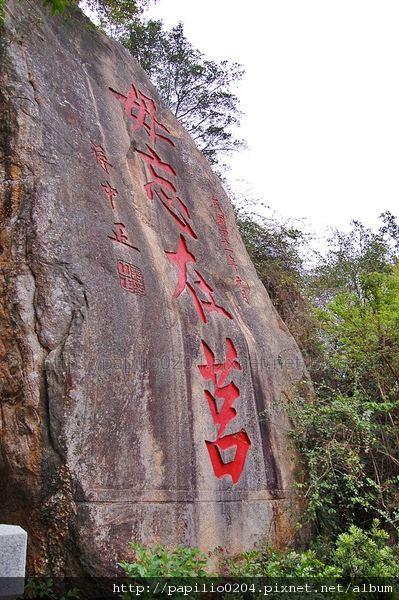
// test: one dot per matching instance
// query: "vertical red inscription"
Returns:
(224, 234)
(218, 374)
(229, 393)
(180, 259)
(130, 277)
(153, 160)
(142, 109)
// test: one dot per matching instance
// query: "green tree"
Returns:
(353, 254)
(115, 16)
(349, 437)
(197, 91)
(277, 251)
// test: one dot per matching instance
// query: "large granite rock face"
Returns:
(138, 348)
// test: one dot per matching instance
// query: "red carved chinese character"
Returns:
(221, 221)
(245, 296)
(131, 278)
(99, 153)
(180, 259)
(210, 305)
(218, 372)
(110, 192)
(216, 205)
(144, 113)
(245, 286)
(168, 201)
(119, 236)
(224, 234)
(229, 393)
(241, 442)
(232, 261)
(153, 160)
(180, 219)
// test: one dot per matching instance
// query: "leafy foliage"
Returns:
(159, 562)
(38, 587)
(115, 15)
(349, 436)
(366, 554)
(350, 475)
(273, 563)
(353, 254)
(356, 553)
(344, 314)
(198, 91)
(57, 6)
(276, 250)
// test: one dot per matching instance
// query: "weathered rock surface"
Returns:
(138, 348)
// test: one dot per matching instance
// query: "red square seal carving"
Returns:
(131, 278)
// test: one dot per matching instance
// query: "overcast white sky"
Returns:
(321, 99)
